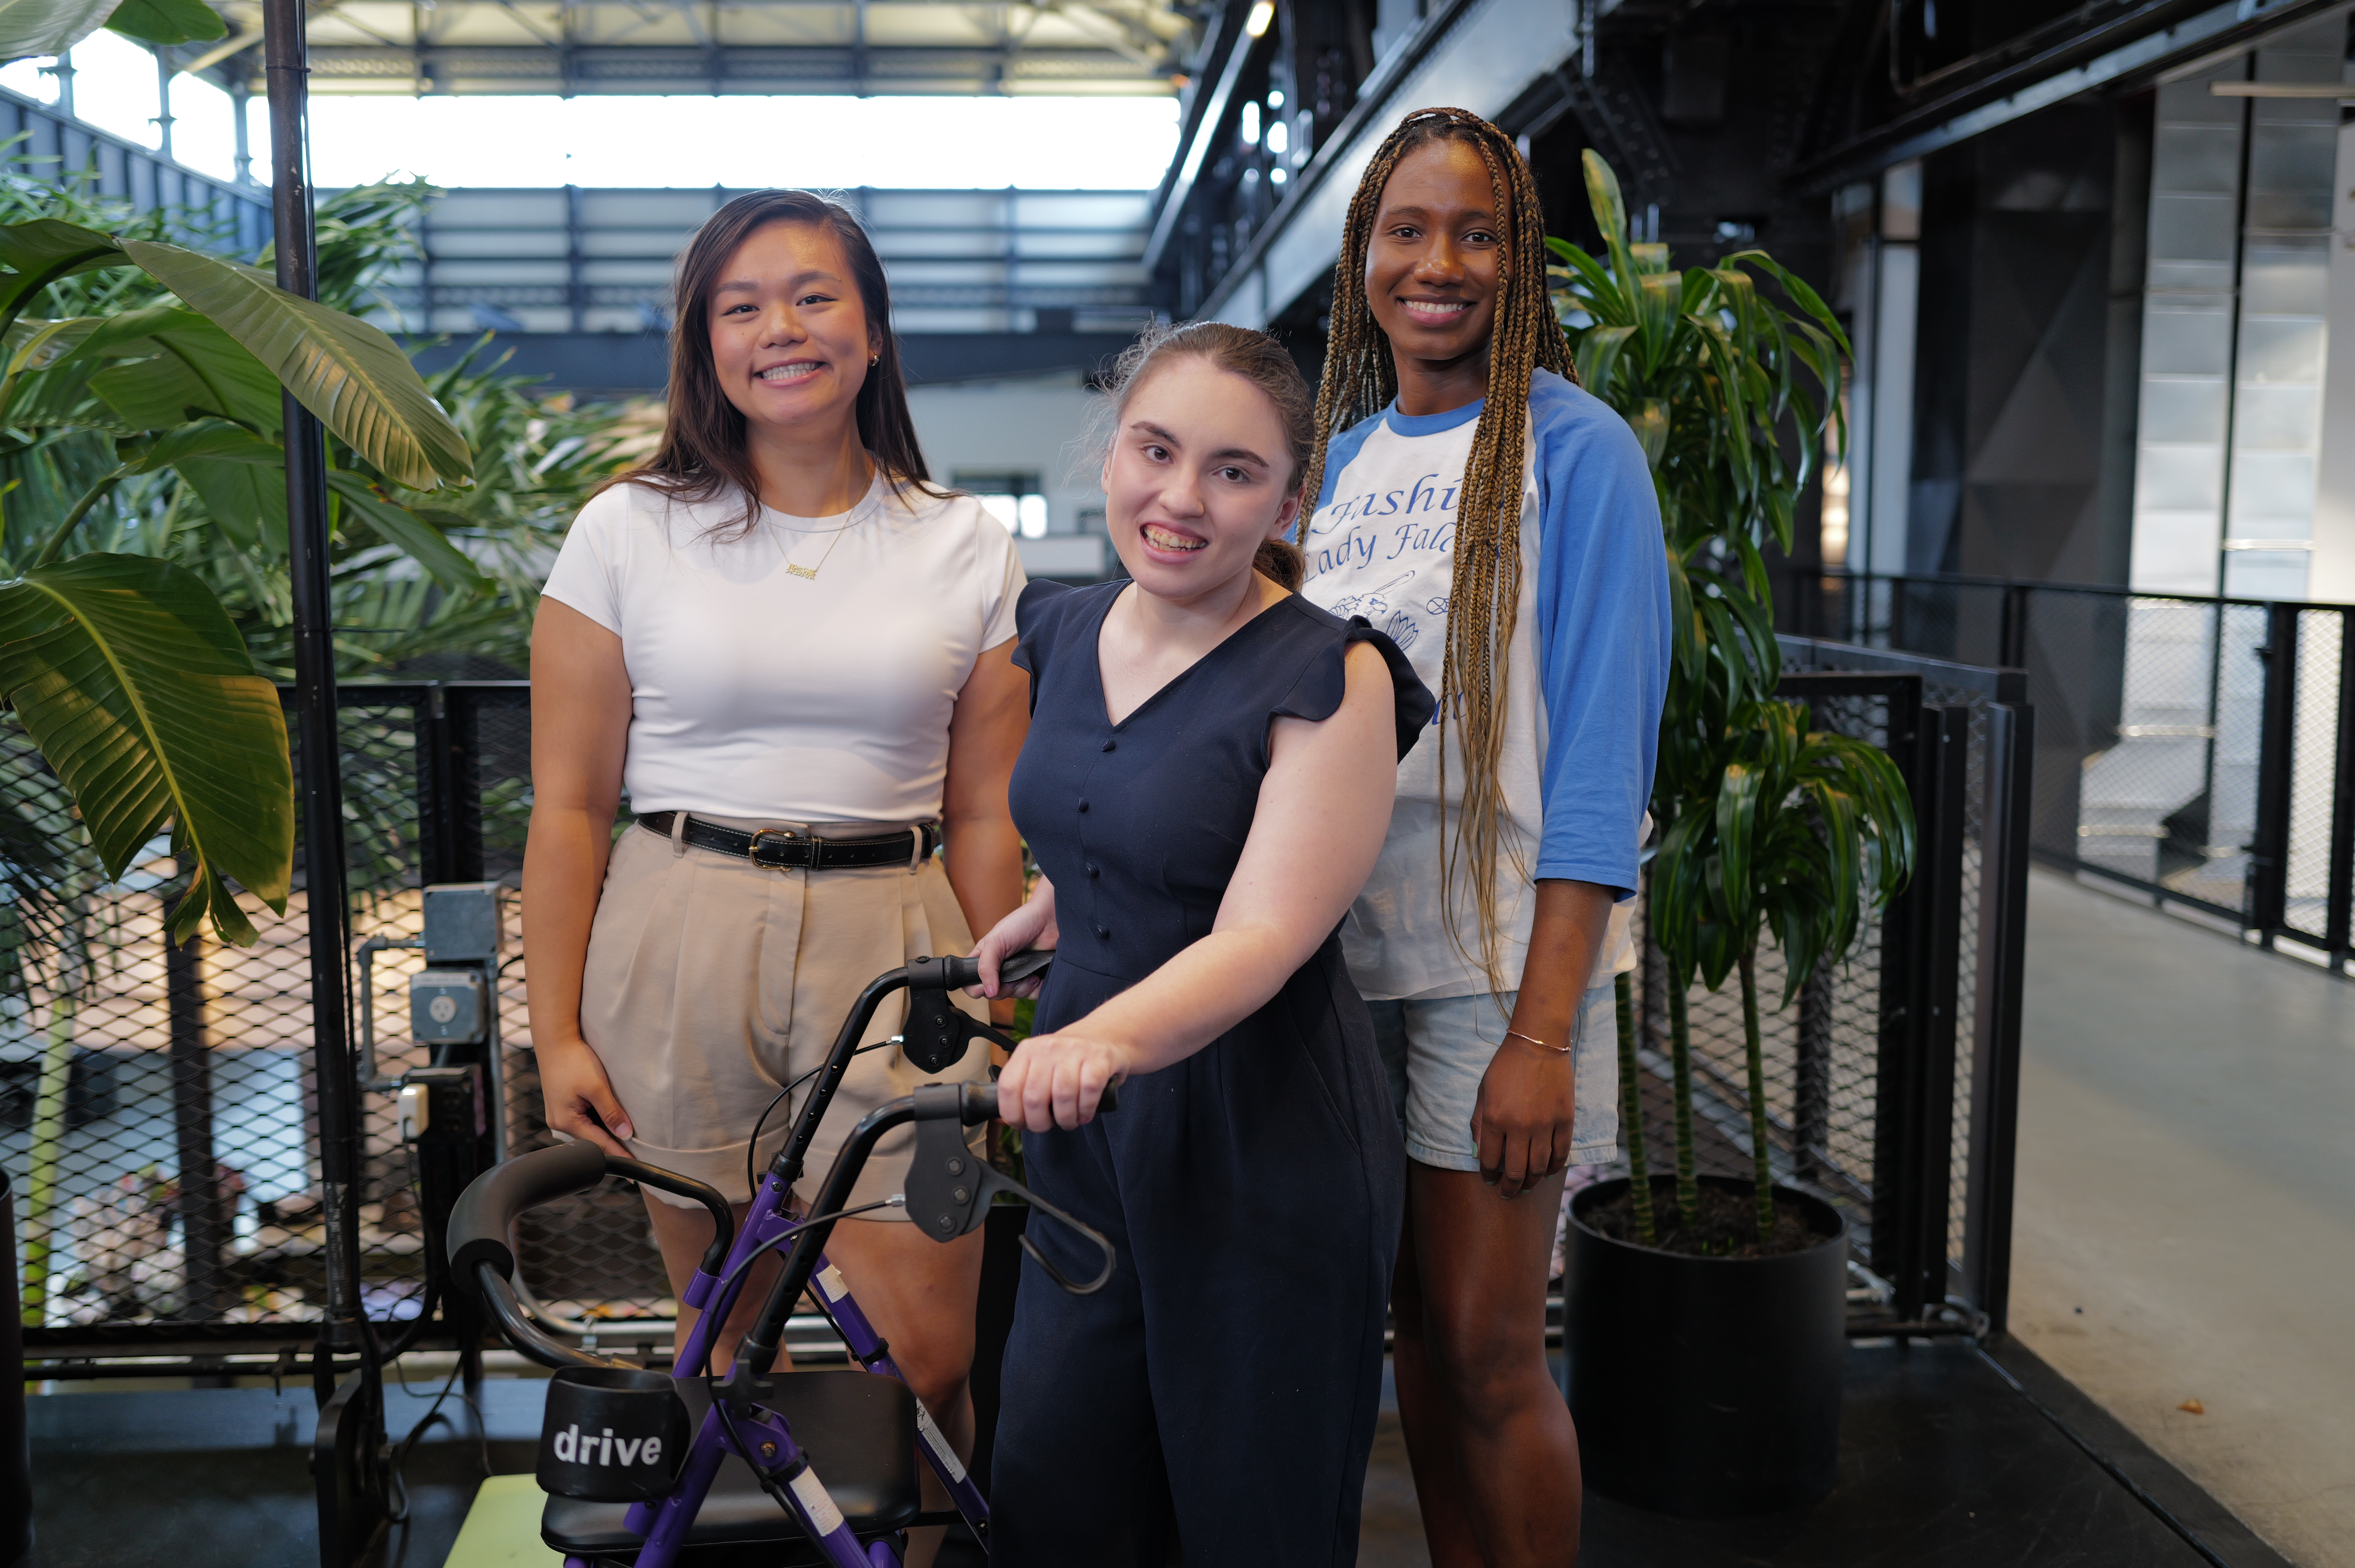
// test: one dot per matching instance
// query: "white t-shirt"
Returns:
(755, 692)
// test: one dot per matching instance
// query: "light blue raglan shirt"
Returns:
(1586, 676)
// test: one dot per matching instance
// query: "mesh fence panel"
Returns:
(2314, 772)
(129, 1071)
(125, 1069)
(588, 1261)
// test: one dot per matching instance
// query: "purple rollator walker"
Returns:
(637, 1463)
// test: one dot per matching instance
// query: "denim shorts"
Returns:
(1436, 1053)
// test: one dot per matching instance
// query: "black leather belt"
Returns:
(777, 847)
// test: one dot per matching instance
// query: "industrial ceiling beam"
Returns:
(1119, 47)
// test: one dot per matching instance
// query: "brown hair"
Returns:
(1258, 359)
(1361, 380)
(701, 456)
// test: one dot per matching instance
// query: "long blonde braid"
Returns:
(1361, 380)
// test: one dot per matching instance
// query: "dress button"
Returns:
(1108, 746)
(1092, 871)
(1104, 931)
(1083, 805)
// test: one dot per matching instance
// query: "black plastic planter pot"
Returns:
(1706, 1387)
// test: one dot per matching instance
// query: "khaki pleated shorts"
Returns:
(712, 982)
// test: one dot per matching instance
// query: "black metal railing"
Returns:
(1891, 1082)
(160, 1109)
(2197, 749)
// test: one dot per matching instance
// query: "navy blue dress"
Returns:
(1223, 1386)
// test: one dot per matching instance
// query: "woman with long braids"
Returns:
(796, 656)
(1500, 524)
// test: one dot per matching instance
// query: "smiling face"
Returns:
(1199, 473)
(1432, 264)
(790, 337)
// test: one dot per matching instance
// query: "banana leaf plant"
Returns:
(1734, 393)
(125, 668)
(1808, 836)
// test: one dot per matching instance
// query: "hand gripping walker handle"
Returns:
(1021, 966)
(948, 1192)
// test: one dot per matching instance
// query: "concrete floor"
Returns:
(2186, 1210)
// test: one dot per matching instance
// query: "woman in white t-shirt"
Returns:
(778, 624)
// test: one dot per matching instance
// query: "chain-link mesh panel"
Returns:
(163, 1112)
(2314, 772)
(589, 1263)
(158, 1108)
(2074, 648)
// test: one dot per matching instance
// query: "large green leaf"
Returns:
(38, 253)
(245, 500)
(240, 478)
(130, 679)
(183, 368)
(353, 377)
(47, 27)
(400, 526)
(166, 21)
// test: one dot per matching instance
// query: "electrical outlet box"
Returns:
(446, 1007)
(464, 924)
(441, 1102)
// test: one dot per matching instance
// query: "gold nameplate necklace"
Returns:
(811, 572)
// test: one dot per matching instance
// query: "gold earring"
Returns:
(873, 360)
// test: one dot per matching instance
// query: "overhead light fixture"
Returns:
(1261, 14)
(2343, 91)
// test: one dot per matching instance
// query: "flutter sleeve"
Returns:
(1325, 680)
(1039, 616)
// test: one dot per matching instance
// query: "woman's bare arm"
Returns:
(1323, 811)
(980, 845)
(580, 735)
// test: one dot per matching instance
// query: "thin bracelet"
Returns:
(1557, 1050)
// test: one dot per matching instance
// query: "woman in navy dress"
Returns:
(1206, 785)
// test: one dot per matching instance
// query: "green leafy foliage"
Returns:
(125, 667)
(30, 27)
(136, 428)
(1808, 834)
(348, 373)
(167, 21)
(1733, 396)
(129, 677)
(1766, 826)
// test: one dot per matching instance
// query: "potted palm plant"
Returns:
(1703, 1321)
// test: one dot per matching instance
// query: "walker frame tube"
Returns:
(665, 1522)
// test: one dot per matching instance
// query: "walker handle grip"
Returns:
(960, 973)
(487, 1209)
(981, 1101)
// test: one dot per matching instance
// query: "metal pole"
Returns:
(237, 96)
(163, 74)
(319, 779)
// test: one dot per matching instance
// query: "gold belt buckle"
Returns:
(753, 851)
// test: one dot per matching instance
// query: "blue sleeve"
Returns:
(1601, 634)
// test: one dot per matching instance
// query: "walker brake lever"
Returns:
(949, 1187)
(938, 1033)
(1111, 1259)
